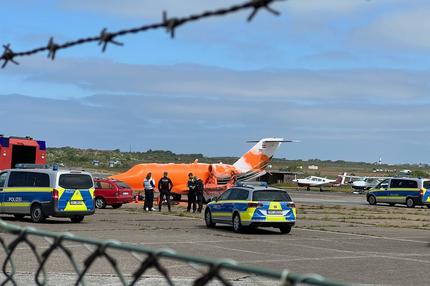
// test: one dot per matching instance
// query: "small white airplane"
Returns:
(361, 183)
(366, 183)
(405, 172)
(314, 181)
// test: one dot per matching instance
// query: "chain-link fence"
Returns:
(23, 248)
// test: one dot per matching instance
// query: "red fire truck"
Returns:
(21, 150)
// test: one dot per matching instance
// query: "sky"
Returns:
(349, 79)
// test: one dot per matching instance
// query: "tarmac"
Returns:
(342, 251)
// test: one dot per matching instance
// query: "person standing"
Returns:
(149, 185)
(191, 193)
(199, 188)
(165, 185)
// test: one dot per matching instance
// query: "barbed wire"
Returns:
(148, 259)
(168, 23)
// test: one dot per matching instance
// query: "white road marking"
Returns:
(243, 250)
(366, 235)
(241, 240)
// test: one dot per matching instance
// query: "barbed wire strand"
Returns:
(170, 24)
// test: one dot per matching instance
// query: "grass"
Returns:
(333, 217)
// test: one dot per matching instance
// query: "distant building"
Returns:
(313, 167)
(95, 163)
(114, 163)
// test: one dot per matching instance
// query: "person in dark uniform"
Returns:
(199, 187)
(165, 185)
(191, 193)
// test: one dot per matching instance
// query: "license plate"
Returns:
(75, 203)
(125, 193)
(274, 212)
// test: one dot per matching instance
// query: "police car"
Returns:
(407, 191)
(252, 206)
(41, 193)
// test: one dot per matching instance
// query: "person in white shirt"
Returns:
(149, 185)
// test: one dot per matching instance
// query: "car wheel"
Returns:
(100, 203)
(77, 218)
(116, 206)
(19, 216)
(428, 206)
(36, 213)
(237, 224)
(208, 218)
(285, 229)
(371, 200)
(410, 203)
(392, 204)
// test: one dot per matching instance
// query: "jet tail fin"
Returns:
(260, 155)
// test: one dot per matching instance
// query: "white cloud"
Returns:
(370, 86)
(141, 9)
(152, 9)
(328, 6)
(407, 28)
(336, 113)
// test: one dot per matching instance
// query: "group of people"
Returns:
(165, 185)
(195, 193)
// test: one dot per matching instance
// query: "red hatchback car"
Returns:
(111, 192)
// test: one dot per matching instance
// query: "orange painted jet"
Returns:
(217, 177)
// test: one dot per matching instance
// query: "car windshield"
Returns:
(383, 184)
(122, 185)
(75, 181)
(271, 195)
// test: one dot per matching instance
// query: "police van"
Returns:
(41, 193)
(407, 191)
